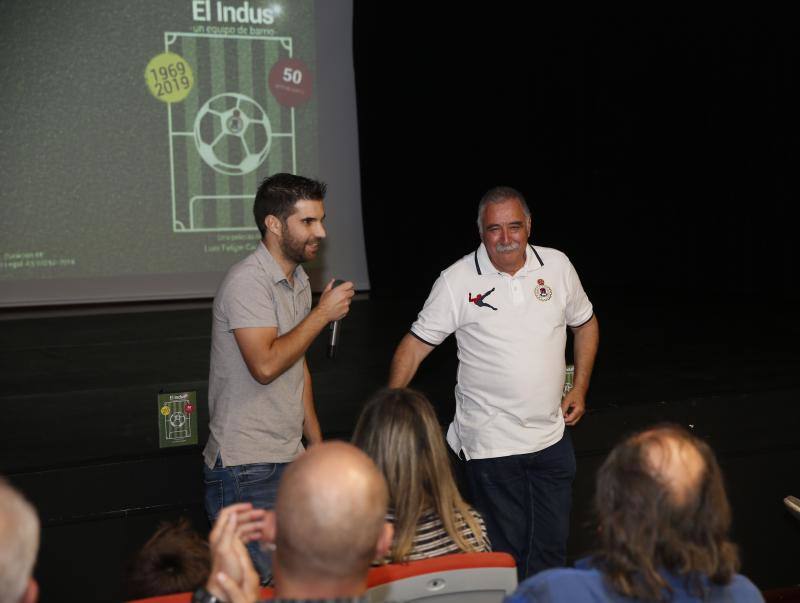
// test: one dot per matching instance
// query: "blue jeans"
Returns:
(525, 500)
(256, 483)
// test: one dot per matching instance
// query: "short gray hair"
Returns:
(19, 542)
(498, 194)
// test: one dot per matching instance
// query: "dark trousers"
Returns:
(525, 500)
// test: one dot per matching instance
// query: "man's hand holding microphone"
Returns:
(335, 304)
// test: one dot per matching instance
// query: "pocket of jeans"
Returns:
(250, 474)
(214, 498)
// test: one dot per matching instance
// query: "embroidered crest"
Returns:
(542, 291)
(478, 299)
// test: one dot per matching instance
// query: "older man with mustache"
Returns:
(509, 304)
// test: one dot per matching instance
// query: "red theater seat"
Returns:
(462, 577)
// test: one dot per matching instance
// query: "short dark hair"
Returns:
(176, 559)
(278, 194)
(498, 194)
(644, 526)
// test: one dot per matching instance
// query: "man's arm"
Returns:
(311, 429)
(267, 356)
(587, 338)
(407, 357)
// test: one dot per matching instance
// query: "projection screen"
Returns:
(133, 136)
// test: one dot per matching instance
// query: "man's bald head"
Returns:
(19, 543)
(330, 513)
(669, 462)
(674, 460)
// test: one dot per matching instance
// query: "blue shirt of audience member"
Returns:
(586, 583)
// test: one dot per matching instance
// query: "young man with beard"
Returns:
(259, 387)
(509, 304)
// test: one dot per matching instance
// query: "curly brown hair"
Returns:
(661, 504)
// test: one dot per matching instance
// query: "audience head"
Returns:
(330, 522)
(19, 543)
(661, 503)
(398, 429)
(175, 559)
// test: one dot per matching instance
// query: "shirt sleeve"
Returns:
(248, 303)
(579, 309)
(438, 316)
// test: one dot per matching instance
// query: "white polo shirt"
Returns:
(511, 334)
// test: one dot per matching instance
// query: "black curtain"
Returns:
(658, 152)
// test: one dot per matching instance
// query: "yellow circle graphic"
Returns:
(165, 410)
(169, 77)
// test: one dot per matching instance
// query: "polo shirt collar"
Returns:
(274, 271)
(484, 266)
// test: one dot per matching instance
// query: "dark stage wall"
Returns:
(657, 151)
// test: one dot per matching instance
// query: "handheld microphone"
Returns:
(335, 327)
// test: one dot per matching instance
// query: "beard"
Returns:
(297, 250)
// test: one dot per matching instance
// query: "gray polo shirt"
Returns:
(251, 422)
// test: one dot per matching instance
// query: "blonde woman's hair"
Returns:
(398, 429)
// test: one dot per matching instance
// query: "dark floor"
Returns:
(80, 435)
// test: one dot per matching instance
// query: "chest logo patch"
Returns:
(478, 300)
(542, 291)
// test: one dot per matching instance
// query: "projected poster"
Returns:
(135, 136)
(228, 121)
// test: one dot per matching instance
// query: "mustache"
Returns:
(500, 248)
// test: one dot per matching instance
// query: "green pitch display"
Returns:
(177, 419)
(135, 135)
(224, 134)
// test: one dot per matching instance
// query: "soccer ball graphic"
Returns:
(232, 133)
(178, 419)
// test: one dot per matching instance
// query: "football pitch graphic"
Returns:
(177, 425)
(177, 419)
(226, 128)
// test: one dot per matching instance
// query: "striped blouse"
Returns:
(432, 540)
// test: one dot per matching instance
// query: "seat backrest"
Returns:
(462, 577)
